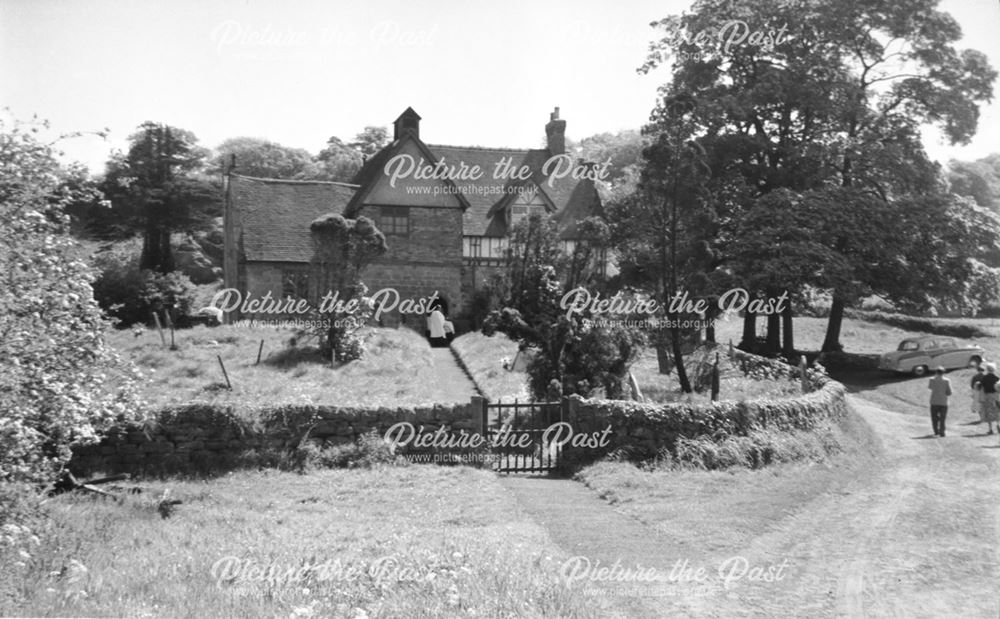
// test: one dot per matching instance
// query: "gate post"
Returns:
(479, 412)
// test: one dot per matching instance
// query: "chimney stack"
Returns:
(555, 134)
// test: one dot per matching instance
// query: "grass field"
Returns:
(398, 368)
(858, 336)
(483, 357)
(416, 541)
(390, 541)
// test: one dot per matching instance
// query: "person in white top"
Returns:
(435, 323)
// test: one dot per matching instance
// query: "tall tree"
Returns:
(979, 180)
(663, 230)
(338, 161)
(264, 159)
(157, 186)
(840, 102)
(371, 140)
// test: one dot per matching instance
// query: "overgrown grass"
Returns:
(742, 501)
(733, 384)
(418, 541)
(483, 356)
(398, 368)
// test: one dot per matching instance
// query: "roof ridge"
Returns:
(290, 181)
(488, 148)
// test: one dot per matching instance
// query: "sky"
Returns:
(296, 72)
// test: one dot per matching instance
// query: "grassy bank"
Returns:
(742, 502)
(397, 368)
(483, 357)
(396, 542)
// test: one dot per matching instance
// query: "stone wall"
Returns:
(646, 429)
(202, 438)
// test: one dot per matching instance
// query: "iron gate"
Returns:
(517, 435)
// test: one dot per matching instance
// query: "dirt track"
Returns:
(916, 539)
(915, 535)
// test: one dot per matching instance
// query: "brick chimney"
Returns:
(408, 122)
(555, 134)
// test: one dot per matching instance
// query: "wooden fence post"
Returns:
(170, 325)
(159, 327)
(479, 412)
(715, 379)
(224, 373)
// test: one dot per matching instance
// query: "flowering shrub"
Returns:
(574, 354)
(129, 294)
(60, 384)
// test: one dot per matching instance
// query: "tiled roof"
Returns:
(573, 199)
(275, 214)
(370, 171)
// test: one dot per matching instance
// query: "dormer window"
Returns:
(529, 202)
(524, 211)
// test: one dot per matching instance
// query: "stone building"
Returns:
(446, 212)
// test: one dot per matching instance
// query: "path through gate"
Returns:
(517, 433)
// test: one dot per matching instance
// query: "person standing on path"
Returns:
(977, 392)
(989, 384)
(940, 390)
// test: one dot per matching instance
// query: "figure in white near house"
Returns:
(977, 393)
(989, 383)
(940, 391)
(436, 328)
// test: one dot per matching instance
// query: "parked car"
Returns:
(919, 355)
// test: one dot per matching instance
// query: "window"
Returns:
(394, 220)
(909, 345)
(523, 211)
(475, 246)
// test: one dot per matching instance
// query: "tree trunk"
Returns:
(675, 345)
(788, 339)
(773, 333)
(710, 315)
(166, 254)
(749, 341)
(831, 343)
(663, 360)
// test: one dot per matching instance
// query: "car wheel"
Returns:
(920, 370)
(975, 360)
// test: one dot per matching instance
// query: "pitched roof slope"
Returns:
(275, 214)
(573, 199)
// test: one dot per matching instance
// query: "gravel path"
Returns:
(451, 383)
